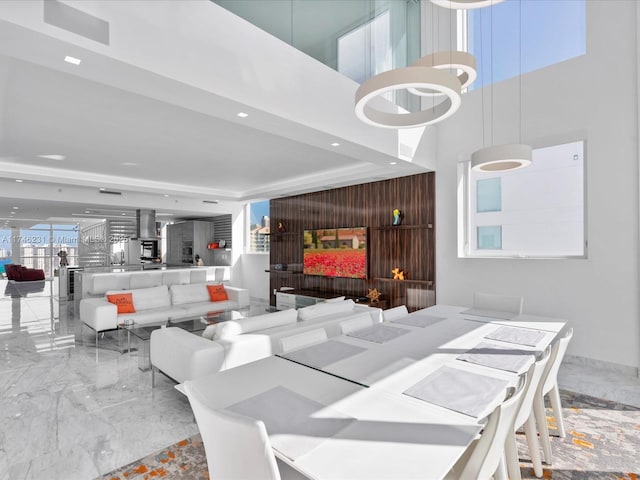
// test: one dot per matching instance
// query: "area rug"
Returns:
(602, 443)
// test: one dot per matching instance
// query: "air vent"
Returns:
(110, 192)
(209, 201)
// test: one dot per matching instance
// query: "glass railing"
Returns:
(358, 38)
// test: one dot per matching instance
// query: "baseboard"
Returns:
(603, 365)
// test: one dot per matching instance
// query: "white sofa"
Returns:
(92, 284)
(158, 304)
(184, 356)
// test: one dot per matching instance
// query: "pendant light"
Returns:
(465, 4)
(512, 156)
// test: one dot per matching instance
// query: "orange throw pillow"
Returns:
(217, 293)
(124, 302)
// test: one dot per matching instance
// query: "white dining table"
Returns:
(377, 431)
(388, 435)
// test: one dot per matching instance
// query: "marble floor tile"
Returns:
(70, 411)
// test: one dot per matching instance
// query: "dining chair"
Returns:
(483, 458)
(300, 340)
(236, 447)
(526, 418)
(356, 323)
(549, 386)
(394, 313)
(498, 303)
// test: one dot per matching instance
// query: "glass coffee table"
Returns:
(193, 324)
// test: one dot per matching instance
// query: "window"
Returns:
(366, 50)
(489, 195)
(490, 237)
(537, 211)
(552, 31)
(258, 214)
(40, 244)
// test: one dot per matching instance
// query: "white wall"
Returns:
(254, 277)
(593, 97)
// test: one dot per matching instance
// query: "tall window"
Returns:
(39, 246)
(537, 211)
(366, 50)
(552, 31)
(258, 213)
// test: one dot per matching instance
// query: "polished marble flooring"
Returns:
(69, 410)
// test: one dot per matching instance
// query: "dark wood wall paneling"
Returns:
(409, 246)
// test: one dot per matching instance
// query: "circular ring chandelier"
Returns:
(463, 62)
(499, 158)
(465, 4)
(439, 81)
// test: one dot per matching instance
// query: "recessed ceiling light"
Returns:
(123, 213)
(19, 181)
(165, 195)
(243, 115)
(12, 213)
(129, 164)
(335, 144)
(393, 163)
(53, 157)
(72, 60)
(87, 211)
(15, 208)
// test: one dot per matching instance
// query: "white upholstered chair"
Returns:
(236, 447)
(526, 417)
(356, 323)
(300, 340)
(484, 456)
(395, 312)
(497, 303)
(549, 386)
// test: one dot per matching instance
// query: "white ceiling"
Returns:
(175, 139)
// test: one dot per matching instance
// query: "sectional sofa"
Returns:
(158, 304)
(184, 356)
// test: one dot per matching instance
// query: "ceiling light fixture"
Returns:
(512, 156)
(129, 164)
(165, 195)
(440, 82)
(53, 157)
(243, 115)
(72, 60)
(393, 163)
(465, 4)
(19, 181)
(463, 62)
(335, 144)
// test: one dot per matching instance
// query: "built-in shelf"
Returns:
(417, 282)
(404, 227)
(287, 272)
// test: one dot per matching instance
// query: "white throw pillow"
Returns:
(332, 300)
(193, 293)
(324, 308)
(210, 331)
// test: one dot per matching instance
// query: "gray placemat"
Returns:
(519, 336)
(465, 392)
(499, 356)
(295, 424)
(323, 354)
(378, 333)
(418, 320)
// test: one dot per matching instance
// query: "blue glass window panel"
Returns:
(552, 31)
(490, 237)
(489, 195)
